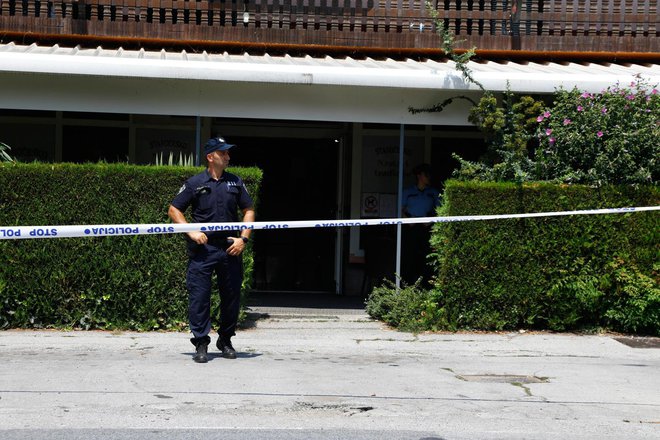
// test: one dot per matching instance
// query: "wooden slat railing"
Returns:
(538, 25)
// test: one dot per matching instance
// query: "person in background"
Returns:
(418, 200)
(215, 196)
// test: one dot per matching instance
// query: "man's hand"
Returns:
(177, 217)
(236, 247)
(198, 237)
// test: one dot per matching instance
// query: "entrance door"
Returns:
(300, 183)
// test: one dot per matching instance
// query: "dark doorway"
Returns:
(92, 144)
(442, 161)
(300, 183)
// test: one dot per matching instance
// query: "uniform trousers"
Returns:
(206, 260)
(415, 249)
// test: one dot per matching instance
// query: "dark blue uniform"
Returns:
(420, 203)
(213, 201)
(416, 246)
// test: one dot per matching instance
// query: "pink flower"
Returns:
(585, 95)
(540, 118)
(630, 97)
(654, 92)
(552, 141)
(604, 110)
(567, 121)
(580, 108)
(546, 114)
(599, 134)
(548, 131)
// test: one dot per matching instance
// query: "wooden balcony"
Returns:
(360, 26)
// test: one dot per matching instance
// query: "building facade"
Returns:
(316, 93)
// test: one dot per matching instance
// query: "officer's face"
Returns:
(424, 178)
(219, 158)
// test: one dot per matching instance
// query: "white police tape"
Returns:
(26, 232)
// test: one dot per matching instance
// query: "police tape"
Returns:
(71, 231)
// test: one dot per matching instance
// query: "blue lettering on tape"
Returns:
(276, 226)
(221, 228)
(160, 229)
(115, 231)
(40, 232)
(340, 224)
(8, 232)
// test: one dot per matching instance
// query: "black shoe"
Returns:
(224, 345)
(201, 354)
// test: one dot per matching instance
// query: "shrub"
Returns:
(558, 273)
(510, 129)
(410, 309)
(4, 153)
(635, 302)
(612, 137)
(597, 138)
(131, 282)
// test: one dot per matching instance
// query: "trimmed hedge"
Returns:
(134, 282)
(557, 273)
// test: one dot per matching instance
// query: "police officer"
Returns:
(215, 196)
(418, 200)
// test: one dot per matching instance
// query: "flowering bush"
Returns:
(510, 127)
(597, 138)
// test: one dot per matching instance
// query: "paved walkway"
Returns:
(308, 304)
(328, 376)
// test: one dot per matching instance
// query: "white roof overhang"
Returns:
(278, 87)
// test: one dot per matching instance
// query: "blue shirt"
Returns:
(420, 203)
(213, 201)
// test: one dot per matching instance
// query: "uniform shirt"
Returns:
(420, 203)
(213, 201)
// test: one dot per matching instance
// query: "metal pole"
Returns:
(399, 209)
(339, 241)
(198, 140)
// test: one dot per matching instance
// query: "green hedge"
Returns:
(134, 282)
(558, 273)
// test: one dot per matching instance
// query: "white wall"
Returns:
(44, 91)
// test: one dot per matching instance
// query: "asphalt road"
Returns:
(328, 377)
(214, 434)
